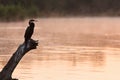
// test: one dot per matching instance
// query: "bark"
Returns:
(6, 73)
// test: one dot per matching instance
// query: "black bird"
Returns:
(29, 31)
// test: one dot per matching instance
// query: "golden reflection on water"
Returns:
(91, 64)
(57, 66)
(66, 50)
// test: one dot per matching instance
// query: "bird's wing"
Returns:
(26, 32)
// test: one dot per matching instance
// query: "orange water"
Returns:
(69, 49)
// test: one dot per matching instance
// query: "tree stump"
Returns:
(6, 73)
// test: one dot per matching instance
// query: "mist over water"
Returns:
(69, 49)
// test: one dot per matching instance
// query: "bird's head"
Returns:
(31, 21)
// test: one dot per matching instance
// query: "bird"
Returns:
(29, 31)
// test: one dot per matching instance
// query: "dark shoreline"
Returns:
(23, 9)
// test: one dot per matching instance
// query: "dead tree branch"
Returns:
(6, 73)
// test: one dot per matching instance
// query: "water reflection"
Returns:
(33, 63)
(80, 53)
(98, 59)
(75, 55)
(94, 59)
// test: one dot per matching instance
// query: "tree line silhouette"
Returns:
(22, 9)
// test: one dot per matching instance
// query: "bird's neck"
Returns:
(32, 25)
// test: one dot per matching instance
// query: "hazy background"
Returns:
(78, 39)
(19, 10)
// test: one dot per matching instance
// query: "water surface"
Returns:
(69, 49)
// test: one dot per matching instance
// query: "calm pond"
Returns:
(69, 49)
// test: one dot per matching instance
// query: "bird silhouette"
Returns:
(29, 31)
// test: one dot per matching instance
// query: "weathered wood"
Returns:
(6, 73)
